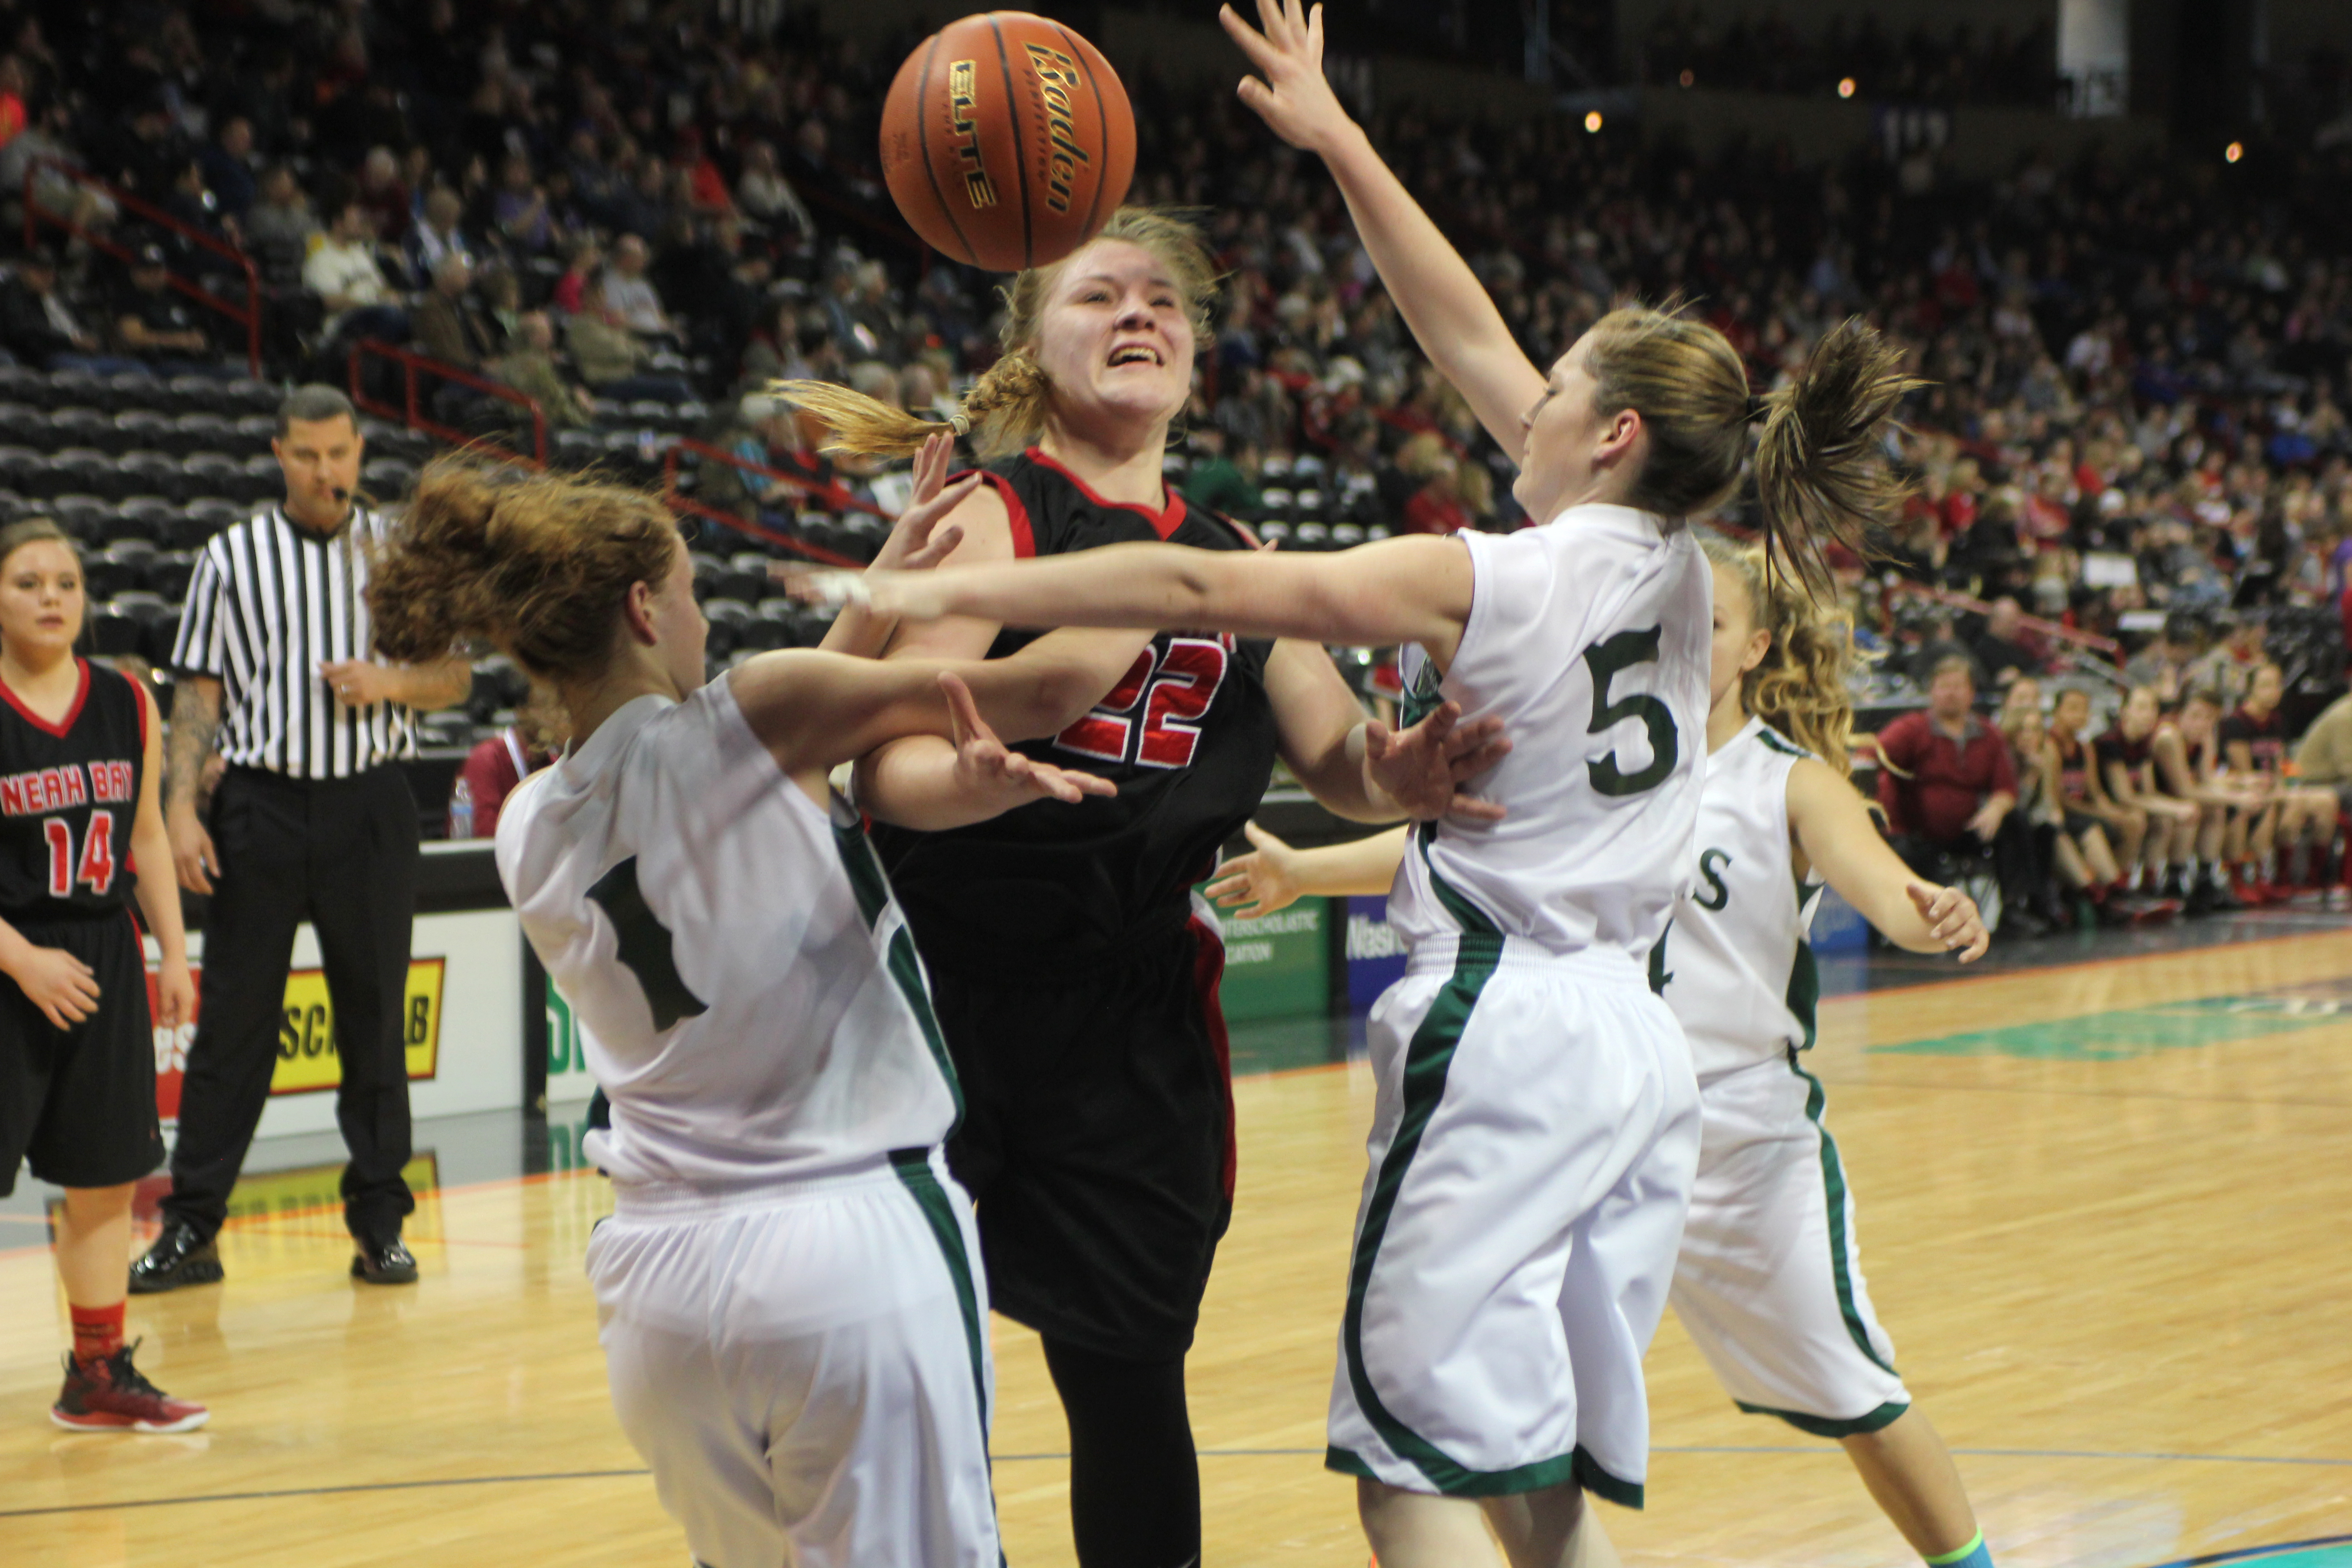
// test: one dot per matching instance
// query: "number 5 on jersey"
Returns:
(1606, 659)
(96, 856)
(1149, 719)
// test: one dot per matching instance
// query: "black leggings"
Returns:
(1135, 1483)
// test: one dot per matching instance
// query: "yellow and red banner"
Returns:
(308, 1059)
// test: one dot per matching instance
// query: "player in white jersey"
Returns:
(789, 1290)
(1769, 1280)
(1537, 1123)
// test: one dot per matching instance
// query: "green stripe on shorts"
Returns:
(913, 1168)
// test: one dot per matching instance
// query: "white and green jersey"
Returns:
(1589, 638)
(748, 992)
(1736, 966)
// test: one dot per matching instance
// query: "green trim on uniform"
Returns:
(1832, 1183)
(1774, 741)
(1602, 1484)
(1427, 1060)
(872, 890)
(1821, 1427)
(1473, 921)
(1580, 1466)
(1804, 996)
(1422, 698)
(915, 1174)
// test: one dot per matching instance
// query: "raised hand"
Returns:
(1266, 878)
(1425, 768)
(1290, 92)
(988, 770)
(916, 541)
(1952, 919)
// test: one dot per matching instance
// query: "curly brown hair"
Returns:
(540, 564)
(1799, 686)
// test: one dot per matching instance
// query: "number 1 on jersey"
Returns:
(1605, 659)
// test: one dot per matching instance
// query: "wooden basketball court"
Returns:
(2104, 1211)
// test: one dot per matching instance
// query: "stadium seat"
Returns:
(147, 517)
(201, 432)
(137, 429)
(155, 474)
(387, 479)
(112, 635)
(22, 424)
(85, 469)
(1310, 536)
(19, 469)
(253, 433)
(82, 427)
(86, 517)
(131, 389)
(72, 388)
(576, 450)
(265, 481)
(1346, 535)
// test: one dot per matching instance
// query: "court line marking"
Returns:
(1814, 1450)
(1908, 1088)
(2243, 1553)
(2134, 960)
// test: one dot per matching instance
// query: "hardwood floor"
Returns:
(2102, 1211)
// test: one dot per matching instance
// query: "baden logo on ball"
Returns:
(1007, 140)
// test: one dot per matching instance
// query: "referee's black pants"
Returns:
(342, 853)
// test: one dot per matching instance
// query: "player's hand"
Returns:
(176, 994)
(193, 858)
(1952, 919)
(916, 541)
(1290, 92)
(357, 682)
(59, 984)
(1423, 769)
(988, 770)
(1266, 878)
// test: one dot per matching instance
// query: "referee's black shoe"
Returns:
(182, 1255)
(383, 1262)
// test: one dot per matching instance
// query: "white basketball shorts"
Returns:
(1531, 1151)
(1769, 1279)
(805, 1368)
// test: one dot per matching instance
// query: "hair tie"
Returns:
(961, 423)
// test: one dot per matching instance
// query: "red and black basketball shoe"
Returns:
(110, 1395)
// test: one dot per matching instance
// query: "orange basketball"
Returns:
(1007, 140)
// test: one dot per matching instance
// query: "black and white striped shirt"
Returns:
(268, 602)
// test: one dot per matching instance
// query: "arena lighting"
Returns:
(1687, 78)
(1592, 122)
(1846, 86)
(2234, 151)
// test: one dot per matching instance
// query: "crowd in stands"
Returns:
(2133, 444)
(1962, 64)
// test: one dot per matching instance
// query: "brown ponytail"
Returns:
(538, 563)
(1005, 409)
(1799, 686)
(1820, 469)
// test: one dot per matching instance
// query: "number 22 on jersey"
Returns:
(1150, 718)
(96, 854)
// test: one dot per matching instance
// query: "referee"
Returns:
(311, 820)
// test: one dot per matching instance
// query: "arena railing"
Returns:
(410, 411)
(832, 496)
(248, 315)
(2035, 624)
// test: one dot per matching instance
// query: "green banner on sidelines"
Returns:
(1278, 967)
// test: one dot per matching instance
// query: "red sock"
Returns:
(97, 1331)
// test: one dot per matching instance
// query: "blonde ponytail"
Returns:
(1798, 688)
(1821, 467)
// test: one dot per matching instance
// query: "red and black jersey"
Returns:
(2138, 757)
(1188, 736)
(67, 793)
(2074, 762)
(2264, 737)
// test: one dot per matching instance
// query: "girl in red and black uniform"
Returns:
(2254, 741)
(2090, 817)
(80, 751)
(2126, 756)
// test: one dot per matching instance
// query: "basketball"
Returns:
(1007, 140)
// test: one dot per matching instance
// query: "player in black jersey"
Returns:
(1074, 972)
(2128, 767)
(79, 752)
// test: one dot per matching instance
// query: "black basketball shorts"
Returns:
(78, 1104)
(1097, 1140)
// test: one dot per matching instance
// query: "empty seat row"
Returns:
(135, 429)
(113, 394)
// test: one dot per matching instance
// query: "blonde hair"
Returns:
(1820, 473)
(1799, 686)
(538, 563)
(1005, 409)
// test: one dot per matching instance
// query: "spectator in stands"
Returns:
(384, 193)
(768, 199)
(346, 275)
(1947, 782)
(278, 228)
(1215, 482)
(2001, 649)
(580, 264)
(528, 366)
(227, 164)
(13, 117)
(2047, 854)
(629, 293)
(448, 322)
(2163, 666)
(38, 326)
(160, 326)
(1939, 647)
(611, 358)
(519, 208)
(2227, 669)
(434, 235)
(491, 770)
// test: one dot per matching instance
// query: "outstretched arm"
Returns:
(1449, 310)
(1400, 590)
(1274, 876)
(1834, 830)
